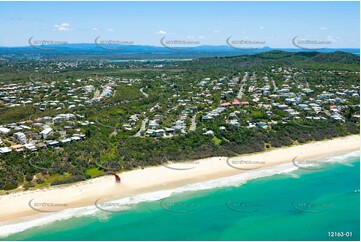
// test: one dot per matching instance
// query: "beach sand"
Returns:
(19, 206)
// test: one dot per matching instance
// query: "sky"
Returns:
(208, 23)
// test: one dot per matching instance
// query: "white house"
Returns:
(5, 150)
(4, 131)
(46, 132)
(20, 137)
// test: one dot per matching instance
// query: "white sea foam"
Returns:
(337, 159)
(8, 229)
(345, 157)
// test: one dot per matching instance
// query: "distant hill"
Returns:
(316, 57)
(336, 57)
(86, 51)
(335, 60)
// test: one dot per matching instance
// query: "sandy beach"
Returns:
(19, 206)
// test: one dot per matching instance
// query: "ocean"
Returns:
(284, 203)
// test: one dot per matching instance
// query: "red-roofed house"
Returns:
(226, 104)
(236, 102)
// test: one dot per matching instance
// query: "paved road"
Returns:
(274, 85)
(142, 128)
(145, 94)
(243, 82)
(194, 124)
(307, 84)
(96, 93)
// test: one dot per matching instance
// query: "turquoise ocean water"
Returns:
(296, 205)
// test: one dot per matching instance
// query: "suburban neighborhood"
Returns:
(253, 100)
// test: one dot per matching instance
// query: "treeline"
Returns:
(110, 154)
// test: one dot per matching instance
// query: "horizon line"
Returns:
(160, 46)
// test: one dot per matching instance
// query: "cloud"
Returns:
(190, 37)
(161, 32)
(216, 31)
(331, 38)
(95, 29)
(63, 27)
(323, 28)
(109, 30)
(201, 37)
(261, 27)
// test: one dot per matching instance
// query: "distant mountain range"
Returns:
(86, 51)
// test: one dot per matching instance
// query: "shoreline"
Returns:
(20, 206)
